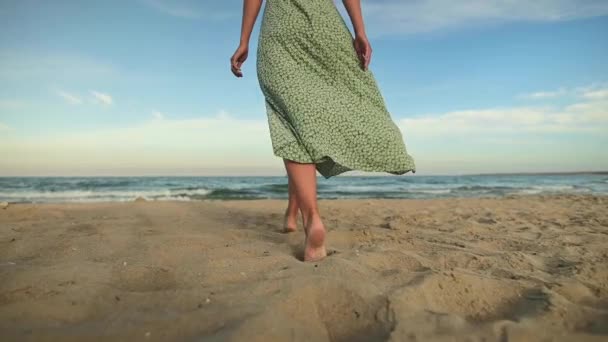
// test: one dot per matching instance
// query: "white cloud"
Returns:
(588, 115)
(4, 127)
(70, 98)
(535, 138)
(591, 92)
(547, 94)
(596, 94)
(172, 145)
(102, 98)
(158, 115)
(398, 16)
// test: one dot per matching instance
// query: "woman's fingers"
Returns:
(236, 71)
(364, 52)
(237, 60)
(363, 60)
(235, 66)
(368, 55)
(361, 55)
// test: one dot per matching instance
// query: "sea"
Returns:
(186, 188)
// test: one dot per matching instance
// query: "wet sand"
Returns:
(521, 268)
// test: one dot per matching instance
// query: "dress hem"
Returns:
(346, 167)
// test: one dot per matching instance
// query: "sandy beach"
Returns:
(519, 268)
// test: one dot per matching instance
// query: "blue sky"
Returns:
(142, 87)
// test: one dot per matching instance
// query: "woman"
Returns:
(325, 111)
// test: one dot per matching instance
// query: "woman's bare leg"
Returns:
(304, 182)
(291, 213)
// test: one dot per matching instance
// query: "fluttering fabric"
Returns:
(322, 107)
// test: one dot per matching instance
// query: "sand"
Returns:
(527, 268)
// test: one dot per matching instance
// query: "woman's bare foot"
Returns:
(290, 222)
(314, 249)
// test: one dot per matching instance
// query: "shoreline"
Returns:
(204, 200)
(362, 174)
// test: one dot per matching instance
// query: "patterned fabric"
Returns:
(322, 107)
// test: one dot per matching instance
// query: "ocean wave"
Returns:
(432, 191)
(78, 189)
(227, 193)
(283, 187)
(545, 189)
(102, 196)
(483, 187)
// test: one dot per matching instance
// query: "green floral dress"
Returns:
(322, 107)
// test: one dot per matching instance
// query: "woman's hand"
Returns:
(363, 49)
(237, 60)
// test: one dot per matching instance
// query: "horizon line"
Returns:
(603, 172)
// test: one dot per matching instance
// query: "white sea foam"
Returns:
(431, 191)
(102, 196)
(102, 189)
